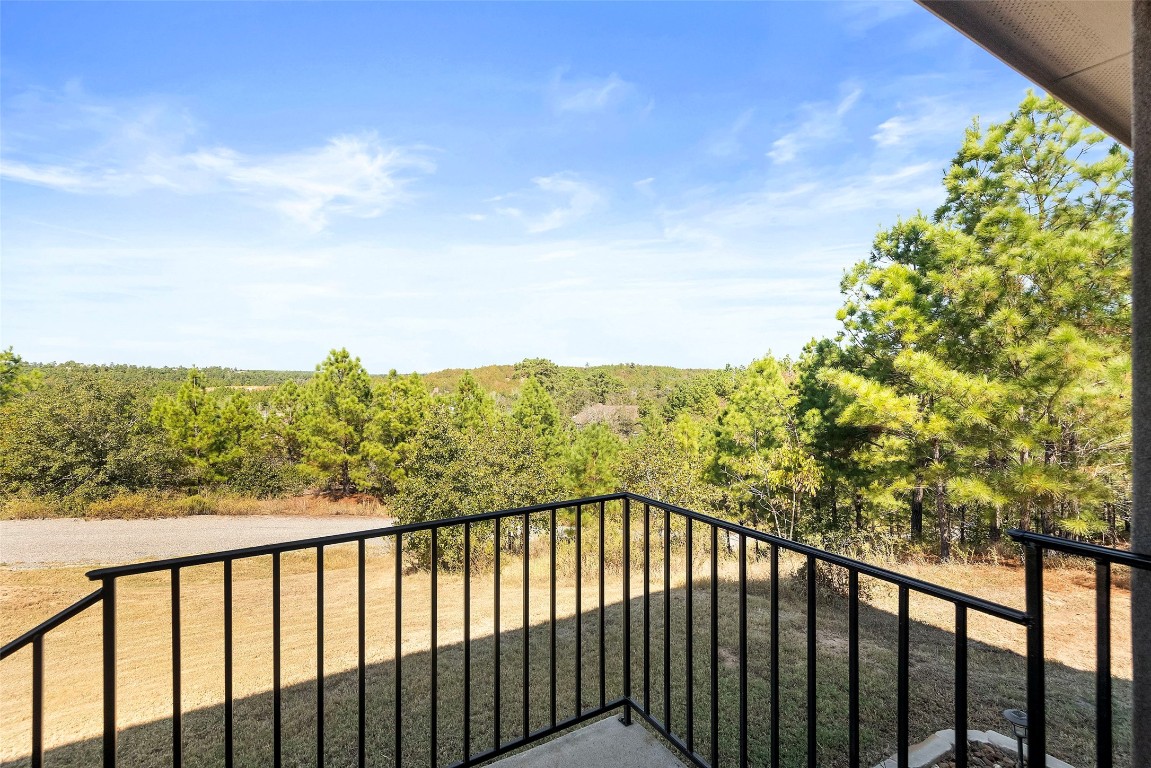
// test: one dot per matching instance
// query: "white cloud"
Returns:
(902, 189)
(129, 149)
(925, 120)
(861, 16)
(822, 121)
(350, 176)
(579, 198)
(727, 142)
(590, 95)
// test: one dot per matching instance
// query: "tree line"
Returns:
(980, 381)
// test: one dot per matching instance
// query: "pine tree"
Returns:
(400, 405)
(338, 413)
(591, 461)
(192, 420)
(536, 412)
(762, 446)
(471, 407)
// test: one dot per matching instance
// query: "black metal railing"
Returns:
(1035, 545)
(514, 531)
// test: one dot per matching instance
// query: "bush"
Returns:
(832, 581)
(130, 506)
(264, 477)
(24, 508)
(195, 505)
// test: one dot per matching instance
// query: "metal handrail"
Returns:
(1034, 545)
(152, 566)
(48, 625)
(1083, 549)
(635, 700)
(892, 577)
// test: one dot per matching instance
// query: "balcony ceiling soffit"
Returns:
(1077, 50)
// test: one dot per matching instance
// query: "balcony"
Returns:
(459, 642)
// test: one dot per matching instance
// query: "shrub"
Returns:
(195, 505)
(264, 477)
(129, 506)
(24, 508)
(832, 581)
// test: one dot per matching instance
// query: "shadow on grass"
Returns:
(996, 682)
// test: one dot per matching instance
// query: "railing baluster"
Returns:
(667, 621)
(742, 650)
(277, 696)
(1036, 667)
(108, 621)
(38, 701)
(229, 713)
(467, 735)
(689, 635)
(361, 655)
(1103, 738)
(497, 703)
(627, 609)
(579, 610)
(434, 714)
(646, 609)
(602, 638)
(320, 656)
(399, 651)
(812, 711)
(527, 628)
(902, 682)
(177, 698)
(960, 686)
(553, 693)
(853, 668)
(714, 647)
(775, 756)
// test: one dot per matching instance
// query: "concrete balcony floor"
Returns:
(607, 743)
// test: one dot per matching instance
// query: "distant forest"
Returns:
(980, 381)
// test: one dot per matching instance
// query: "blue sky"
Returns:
(435, 185)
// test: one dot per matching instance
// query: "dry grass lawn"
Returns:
(72, 724)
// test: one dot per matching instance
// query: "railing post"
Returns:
(627, 609)
(38, 701)
(109, 622)
(1104, 740)
(177, 697)
(1036, 671)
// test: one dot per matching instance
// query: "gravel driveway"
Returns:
(71, 541)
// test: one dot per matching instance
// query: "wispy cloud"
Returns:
(922, 121)
(130, 149)
(822, 121)
(587, 95)
(862, 16)
(728, 142)
(577, 199)
(900, 189)
(352, 175)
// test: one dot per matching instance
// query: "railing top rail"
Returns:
(46, 626)
(917, 585)
(186, 561)
(1093, 551)
(912, 583)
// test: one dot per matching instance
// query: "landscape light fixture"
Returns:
(1018, 720)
